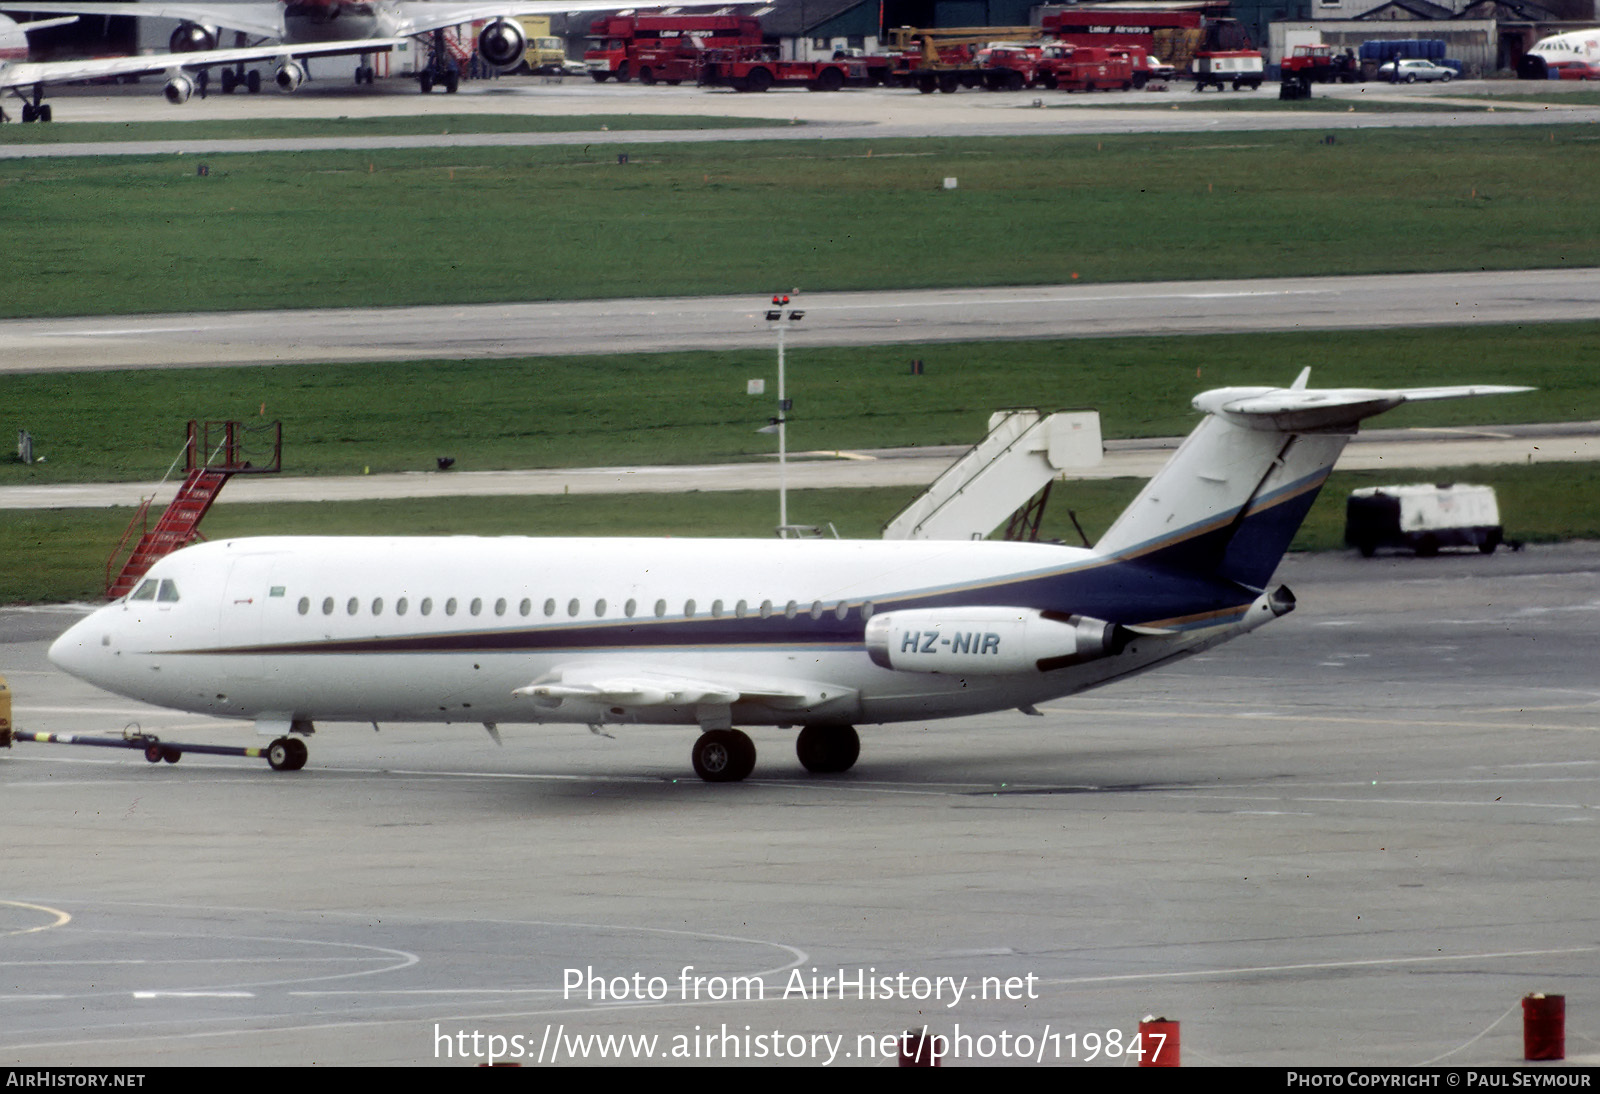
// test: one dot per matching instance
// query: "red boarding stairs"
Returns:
(213, 453)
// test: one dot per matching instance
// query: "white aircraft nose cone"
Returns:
(74, 650)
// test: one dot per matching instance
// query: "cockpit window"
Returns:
(145, 591)
(169, 592)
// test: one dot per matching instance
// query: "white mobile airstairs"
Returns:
(1008, 473)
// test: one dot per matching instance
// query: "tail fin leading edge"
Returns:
(1230, 500)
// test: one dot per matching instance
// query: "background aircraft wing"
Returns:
(263, 19)
(28, 74)
(421, 16)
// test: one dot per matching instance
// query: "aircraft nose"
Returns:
(73, 651)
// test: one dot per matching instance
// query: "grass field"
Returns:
(400, 125)
(439, 226)
(55, 556)
(692, 407)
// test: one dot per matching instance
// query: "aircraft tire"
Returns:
(287, 754)
(425, 81)
(171, 755)
(723, 756)
(152, 754)
(252, 81)
(827, 750)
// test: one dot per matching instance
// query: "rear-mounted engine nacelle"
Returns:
(988, 641)
(178, 89)
(502, 43)
(192, 36)
(289, 76)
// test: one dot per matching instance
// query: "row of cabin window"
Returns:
(741, 610)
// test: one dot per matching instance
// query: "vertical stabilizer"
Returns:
(1230, 500)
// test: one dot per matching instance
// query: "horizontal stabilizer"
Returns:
(1316, 410)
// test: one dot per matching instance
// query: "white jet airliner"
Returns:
(302, 28)
(28, 79)
(1573, 55)
(822, 635)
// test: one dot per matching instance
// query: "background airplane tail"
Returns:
(1230, 500)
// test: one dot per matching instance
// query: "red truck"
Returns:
(1008, 67)
(757, 68)
(668, 48)
(1088, 68)
(1321, 65)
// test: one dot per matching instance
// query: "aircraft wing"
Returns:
(651, 687)
(421, 16)
(265, 19)
(26, 74)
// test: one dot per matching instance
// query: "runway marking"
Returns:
(1067, 298)
(1262, 716)
(117, 332)
(194, 995)
(1316, 966)
(62, 918)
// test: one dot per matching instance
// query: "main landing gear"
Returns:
(729, 755)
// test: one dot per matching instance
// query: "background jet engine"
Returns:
(988, 641)
(290, 75)
(502, 43)
(192, 36)
(178, 89)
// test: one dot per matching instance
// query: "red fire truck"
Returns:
(667, 48)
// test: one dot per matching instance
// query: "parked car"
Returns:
(1572, 70)
(1413, 70)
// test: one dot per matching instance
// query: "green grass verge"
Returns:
(441, 226)
(401, 125)
(1267, 100)
(692, 407)
(59, 555)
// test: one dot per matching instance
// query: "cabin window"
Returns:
(816, 609)
(866, 610)
(352, 606)
(840, 610)
(450, 606)
(500, 606)
(327, 605)
(599, 609)
(790, 610)
(716, 609)
(688, 609)
(740, 609)
(304, 605)
(630, 607)
(377, 605)
(146, 590)
(400, 606)
(477, 605)
(766, 609)
(168, 593)
(573, 607)
(427, 605)
(661, 608)
(526, 607)
(550, 606)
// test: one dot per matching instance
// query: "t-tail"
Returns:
(1228, 503)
